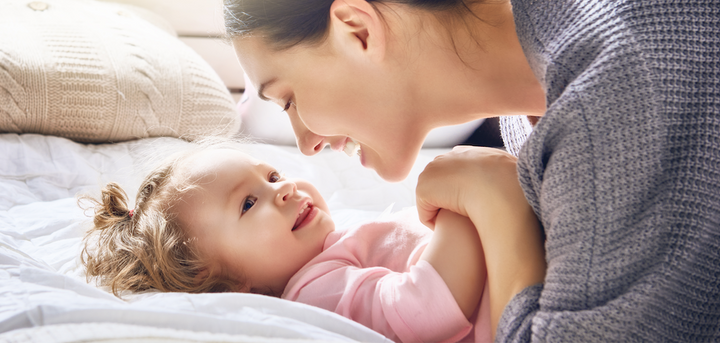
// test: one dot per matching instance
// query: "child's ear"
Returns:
(227, 286)
(201, 276)
(357, 27)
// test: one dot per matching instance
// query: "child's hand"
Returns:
(468, 179)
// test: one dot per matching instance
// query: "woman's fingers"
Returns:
(427, 212)
(437, 188)
(463, 179)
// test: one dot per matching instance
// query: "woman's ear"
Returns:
(357, 27)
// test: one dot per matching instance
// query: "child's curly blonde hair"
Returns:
(147, 248)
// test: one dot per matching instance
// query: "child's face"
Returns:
(250, 221)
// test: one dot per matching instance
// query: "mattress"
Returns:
(44, 295)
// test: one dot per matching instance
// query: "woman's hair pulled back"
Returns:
(146, 248)
(286, 23)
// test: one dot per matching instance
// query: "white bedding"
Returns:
(43, 292)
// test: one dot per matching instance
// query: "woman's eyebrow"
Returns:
(261, 90)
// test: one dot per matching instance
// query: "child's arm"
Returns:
(456, 254)
(371, 276)
(482, 184)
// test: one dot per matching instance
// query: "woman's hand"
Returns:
(467, 178)
(482, 184)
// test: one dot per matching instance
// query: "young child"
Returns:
(212, 218)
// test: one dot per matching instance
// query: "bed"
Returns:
(89, 93)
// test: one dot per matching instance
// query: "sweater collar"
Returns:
(528, 23)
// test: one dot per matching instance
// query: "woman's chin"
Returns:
(394, 163)
(393, 172)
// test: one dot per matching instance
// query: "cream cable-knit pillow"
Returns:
(96, 72)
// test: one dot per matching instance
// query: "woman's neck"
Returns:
(478, 72)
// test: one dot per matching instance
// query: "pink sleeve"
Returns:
(414, 306)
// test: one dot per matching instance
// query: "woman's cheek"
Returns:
(330, 116)
(322, 123)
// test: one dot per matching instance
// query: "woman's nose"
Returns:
(285, 191)
(308, 142)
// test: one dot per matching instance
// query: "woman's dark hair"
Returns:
(286, 23)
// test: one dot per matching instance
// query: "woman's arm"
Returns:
(456, 254)
(482, 184)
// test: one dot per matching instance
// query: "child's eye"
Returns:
(274, 176)
(248, 203)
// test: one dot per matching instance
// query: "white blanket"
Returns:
(43, 292)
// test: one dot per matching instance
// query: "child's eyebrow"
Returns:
(230, 192)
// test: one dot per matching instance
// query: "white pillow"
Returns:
(265, 122)
(98, 72)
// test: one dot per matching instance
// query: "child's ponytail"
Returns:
(112, 231)
(113, 208)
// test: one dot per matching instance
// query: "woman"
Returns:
(623, 168)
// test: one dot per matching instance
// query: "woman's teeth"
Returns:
(352, 148)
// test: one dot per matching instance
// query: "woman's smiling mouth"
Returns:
(352, 147)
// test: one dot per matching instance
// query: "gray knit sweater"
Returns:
(623, 171)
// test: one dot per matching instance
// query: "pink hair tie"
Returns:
(130, 213)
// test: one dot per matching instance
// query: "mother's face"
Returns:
(333, 97)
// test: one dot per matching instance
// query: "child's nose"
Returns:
(286, 190)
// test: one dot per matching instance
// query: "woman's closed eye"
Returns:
(288, 104)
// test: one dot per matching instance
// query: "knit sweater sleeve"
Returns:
(596, 193)
(622, 171)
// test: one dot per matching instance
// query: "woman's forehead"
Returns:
(261, 62)
(255, 57)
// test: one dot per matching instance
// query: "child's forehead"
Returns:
(224, 155)
(210, 160)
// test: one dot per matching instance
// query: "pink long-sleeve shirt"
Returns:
(372, 274)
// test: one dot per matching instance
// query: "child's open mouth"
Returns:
(306, 214)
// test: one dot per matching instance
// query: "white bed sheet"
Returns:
(43, 292)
